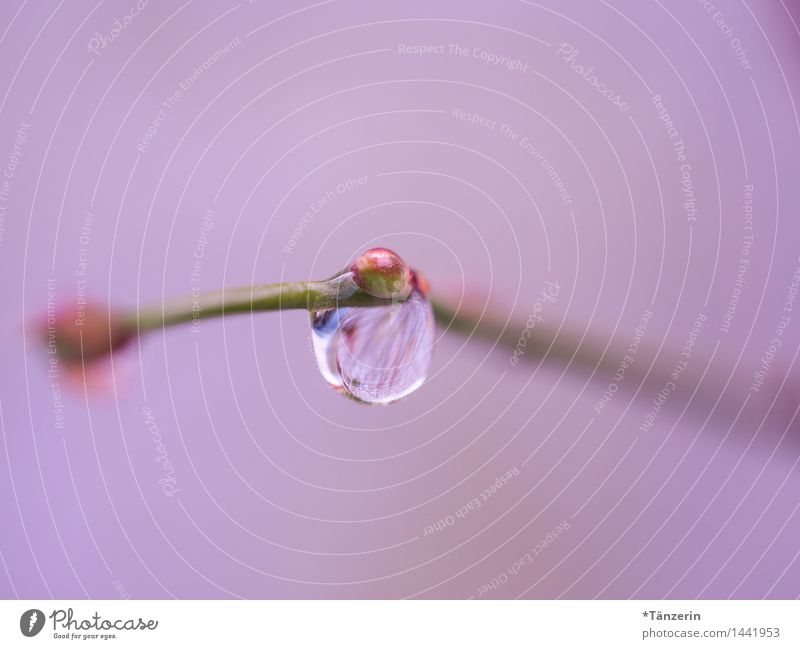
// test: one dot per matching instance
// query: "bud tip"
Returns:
(382, 273)
(88, 333)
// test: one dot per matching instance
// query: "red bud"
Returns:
(382, 273)
(90, 333)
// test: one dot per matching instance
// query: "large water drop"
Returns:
(375, 354)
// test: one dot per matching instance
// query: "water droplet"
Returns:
(375, 354)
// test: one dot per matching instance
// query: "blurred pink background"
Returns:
(496, 146)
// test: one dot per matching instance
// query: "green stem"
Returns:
(491, 329)
(338, 291)
(342, 291)
(648, 372)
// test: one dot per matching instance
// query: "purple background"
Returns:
(287, 489)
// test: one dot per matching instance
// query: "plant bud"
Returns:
(383, 274)
(90, 333)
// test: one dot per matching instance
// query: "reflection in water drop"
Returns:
(375, 354)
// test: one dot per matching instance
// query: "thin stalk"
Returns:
(648, 371)
(338, 291)
(492, 329)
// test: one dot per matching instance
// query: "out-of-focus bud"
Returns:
(90, 333)
(383, 274)
(420, 282)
